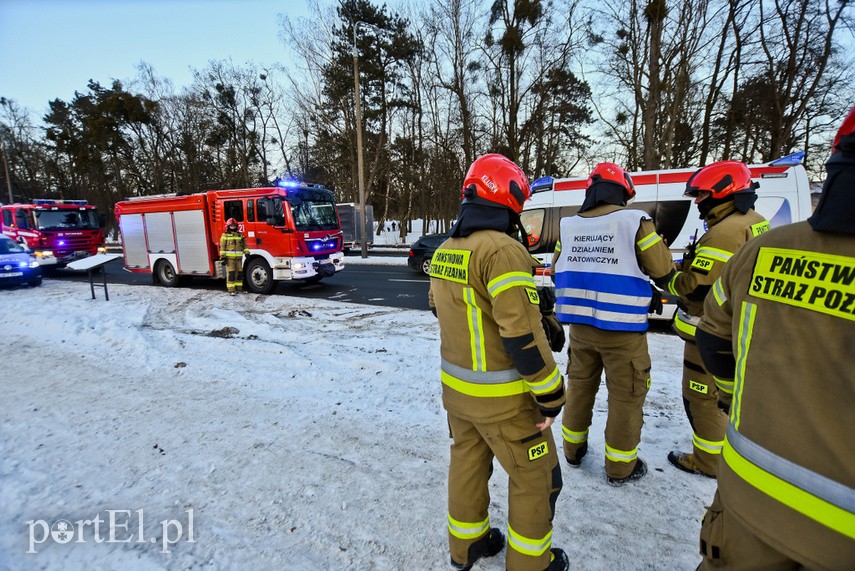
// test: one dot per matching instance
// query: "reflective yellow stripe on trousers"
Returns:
(616, 455)
(708, 446)
(574, 437)
(527, 545)
(468, 530)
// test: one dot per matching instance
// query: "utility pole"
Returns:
(6, 170)
(359, 164)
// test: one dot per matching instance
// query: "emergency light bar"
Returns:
(789, 160)
(541, 184)
(52, 201)
(289, 183)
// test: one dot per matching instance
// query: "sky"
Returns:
(51, 48)
(296, 433)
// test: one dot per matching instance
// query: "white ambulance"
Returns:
(783, 197)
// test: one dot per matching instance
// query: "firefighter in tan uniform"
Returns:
(724, 194)
(500, 384)
(232, 250)
(602, 269)
(781, 322)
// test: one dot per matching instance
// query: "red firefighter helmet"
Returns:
(495, 180)
(231, 222)
(847, 128)
(720, 179)
(612, 172)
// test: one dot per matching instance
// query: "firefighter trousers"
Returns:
(626, 361)
(530, 459)
(234, 273)
(700, 399)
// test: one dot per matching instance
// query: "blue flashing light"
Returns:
(790, 160)
(285, 183)
(541, 184)
(61, 243)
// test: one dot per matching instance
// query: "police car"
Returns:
(17, 264)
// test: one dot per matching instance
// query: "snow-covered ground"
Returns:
(283, 433)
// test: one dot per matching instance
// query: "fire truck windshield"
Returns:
(314, 214)
(67, 219)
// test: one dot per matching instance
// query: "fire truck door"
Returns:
(253, 240)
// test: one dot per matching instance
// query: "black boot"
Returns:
(560, 561)
(487, 546)
(637, 473)
(576, 460)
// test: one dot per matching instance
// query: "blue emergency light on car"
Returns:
(541, 184)
(789, 160)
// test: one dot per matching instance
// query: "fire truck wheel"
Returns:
(166, 274)
(259, 277)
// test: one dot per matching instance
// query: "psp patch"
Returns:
(702, 265)
(538, 451)
(533, 296)
(699, 387)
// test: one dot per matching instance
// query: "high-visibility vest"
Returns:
(597, 278)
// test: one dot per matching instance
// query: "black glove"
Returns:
(547, 299)
(655, 301)
(551, 326)
(554, 332)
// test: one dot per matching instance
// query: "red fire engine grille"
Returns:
(71, 244)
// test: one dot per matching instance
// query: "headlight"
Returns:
(44, 254)
(102, 249)
(298, 265)
(34, 264)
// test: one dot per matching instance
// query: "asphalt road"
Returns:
(370, 284)
(393, 286)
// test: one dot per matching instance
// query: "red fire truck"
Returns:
(291, 230)
(56, 231)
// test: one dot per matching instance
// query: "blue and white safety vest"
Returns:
(597, 278)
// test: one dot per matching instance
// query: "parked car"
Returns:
(422, 251)
(17, 264)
